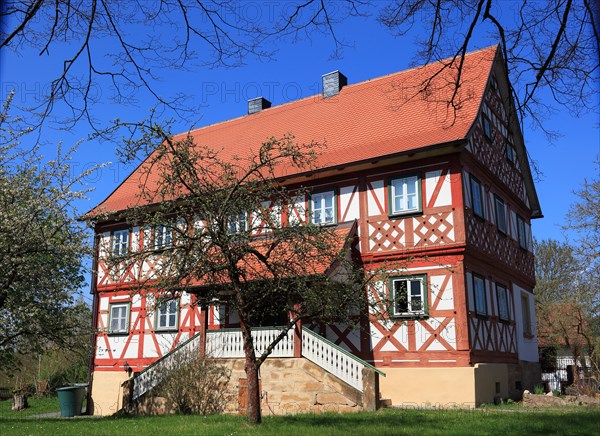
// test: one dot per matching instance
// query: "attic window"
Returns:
(510, 150)
(487, 127)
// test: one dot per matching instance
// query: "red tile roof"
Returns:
(293, 259)
(380, 117)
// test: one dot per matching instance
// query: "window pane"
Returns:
(120, 242)
(480, 300)
(118, 318)
(476, 196)
(500, 215)
(405, 194)
(502, 302)
(323, 210)
(401, 297)
(416, 301)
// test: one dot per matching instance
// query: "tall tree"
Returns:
(41, 248)
(566, 296)
(227, 229)
(584, 219)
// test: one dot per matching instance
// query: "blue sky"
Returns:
(295, 72)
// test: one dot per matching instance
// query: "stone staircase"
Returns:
(325, 377)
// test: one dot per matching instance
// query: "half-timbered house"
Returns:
(436, 180)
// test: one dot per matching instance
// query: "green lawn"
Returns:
(572, 421)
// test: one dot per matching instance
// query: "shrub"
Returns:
(538, 389)
(196, 386)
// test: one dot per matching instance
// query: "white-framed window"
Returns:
(479, 295)
(500, 214)
(487, 126)
(409, 296)
(405, 193)
(237, 223)
(163, 237)
(477, 197)
(526, 315)
(522, 232)
(120, 242)
(119, 318)
(167, 314)
(503, 305)
(322, 208)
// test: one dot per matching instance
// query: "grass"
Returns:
(489, 421)
(36, 406)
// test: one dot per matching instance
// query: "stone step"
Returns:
(385, 402)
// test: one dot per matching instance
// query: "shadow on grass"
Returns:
(386, 422)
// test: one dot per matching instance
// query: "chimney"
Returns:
(257, 104)
(333, 83)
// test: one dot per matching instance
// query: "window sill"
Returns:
(410, 316)
(324, 224)
(409, 214)
(482, 316)
(167, 330)
(118, 333)
(528, 336)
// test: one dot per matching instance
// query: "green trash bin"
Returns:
(71, 400)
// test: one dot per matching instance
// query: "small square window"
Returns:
(503, 307)
(167, 314)
(409, 296)
(479, 295)
(500, 215)
(522, 232)
(237, 223)
(163, 237)
(405, 195)
(487, 127)
(120, 242)
(323, 210)
(477, 197)
(119, 318)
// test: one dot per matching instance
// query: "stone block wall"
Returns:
(296, 385)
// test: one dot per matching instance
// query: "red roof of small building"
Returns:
(373, 119)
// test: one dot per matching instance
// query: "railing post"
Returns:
(298, 339)
(203, 329)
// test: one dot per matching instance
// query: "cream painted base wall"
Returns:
(426, 387)
(444, 387)
(107, 395)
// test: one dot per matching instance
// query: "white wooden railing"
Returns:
(339, 362)
(229, 344)
(152, 375)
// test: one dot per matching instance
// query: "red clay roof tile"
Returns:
(368, 120)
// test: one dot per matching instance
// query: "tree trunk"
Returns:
(19, 401)
(254, 412)
(251, 368)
